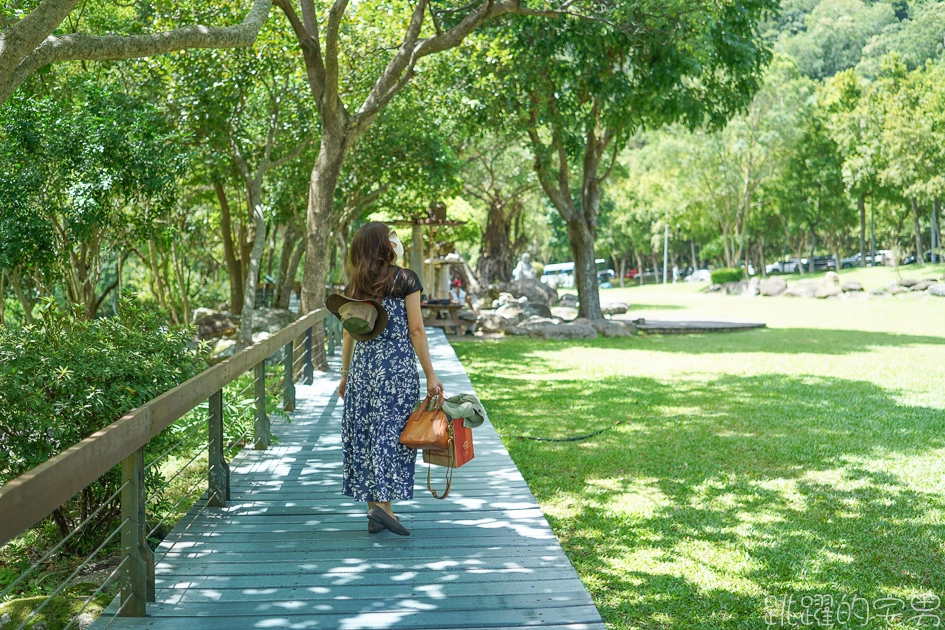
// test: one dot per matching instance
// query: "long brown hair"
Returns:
(371, 262)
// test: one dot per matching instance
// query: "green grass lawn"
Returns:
(802, 460)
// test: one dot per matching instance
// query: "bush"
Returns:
(64, 378)
(727, 274)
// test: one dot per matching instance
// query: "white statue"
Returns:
(524, 270)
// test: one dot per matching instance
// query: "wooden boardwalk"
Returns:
(289, 551)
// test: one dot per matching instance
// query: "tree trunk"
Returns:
(861, 206)
(21, 296)
(495, 264)
(936, 235)
(289, 242)
(288, 281)
(255, 258)
(581, 239)
(321, 193)
(692, 246)
(918, 233)
(761, 258)
(157, 285)
(234, 267)
(181, 285)
(639, 270)
(623, 267)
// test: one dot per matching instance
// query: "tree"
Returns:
(29, 41)
(578, 89)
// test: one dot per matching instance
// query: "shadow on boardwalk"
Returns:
(289, 551)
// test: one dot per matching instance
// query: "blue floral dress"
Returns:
(383, 387)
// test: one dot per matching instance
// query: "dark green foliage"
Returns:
(727, 274)
(66, 377)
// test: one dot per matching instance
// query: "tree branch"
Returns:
(331, 99)
(80, 46)
(21, 38)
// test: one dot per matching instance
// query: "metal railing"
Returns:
(30, 498)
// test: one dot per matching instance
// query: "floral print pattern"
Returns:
(383, 387)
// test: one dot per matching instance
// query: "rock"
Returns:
(832, 279)
(610, 328)
(223, 349)
(847, 287)
(565, 313)
(569, 300)
(535, 322)
(937, 290)
(83, 621)
(534, 290)
(492, 324)
(5, 619)
(713, 288)
(924, 285)
(896, 290)
(614, 308)
(215, 326)
(909, 282)
(516, 331)
(533, 309)
(754, 285)
(514, 313)
(826, 292)
(272, 320)
(200, 313)
(804, 288)
(775, 285)
(38, 626)
(879, 291)
(564, 331)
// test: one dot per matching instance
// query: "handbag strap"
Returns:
(449, 469)
(437, 403)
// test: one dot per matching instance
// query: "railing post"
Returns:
(309, 373)
(330, 332)
(137, 586)
(288, 383)
(261, 425)
(218, 489)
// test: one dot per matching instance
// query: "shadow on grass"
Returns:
(711, 497)
(508, 353)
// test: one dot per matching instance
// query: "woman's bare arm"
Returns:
(418, 336)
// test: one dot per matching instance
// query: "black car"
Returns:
(910, 260)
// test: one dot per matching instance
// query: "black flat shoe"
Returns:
(388, 522)
(374, 528)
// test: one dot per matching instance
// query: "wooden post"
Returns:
(309, 374)
(137, 587)
(330, 333)
(288, 384)
(261, 425)
(218, 489)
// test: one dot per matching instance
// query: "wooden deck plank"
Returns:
(290, 551)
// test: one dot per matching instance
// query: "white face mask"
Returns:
(398, 246)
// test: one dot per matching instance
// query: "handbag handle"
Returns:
(449, 469)
(438, 403)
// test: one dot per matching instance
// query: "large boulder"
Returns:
(849, 287)
(198, 314)
(215, 326)
(569, 299)
(607, 327)
(222, 349)
(910, 282)
(739, 287)
(565, 313)
(775, 285)
(614, 307)
(534, 290)
(924, 285)
(492, 323)
(564, 331)
(804, 288)
(536, 309)
(272, 320)
(832, 278)
(536, 322)
(896, 290)
(514, 313)
(826, 292)
(937, 290)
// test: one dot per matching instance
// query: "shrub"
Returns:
(727, 274)
(64, 378)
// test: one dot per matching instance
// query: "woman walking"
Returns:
(384, 337)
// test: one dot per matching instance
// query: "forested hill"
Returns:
(827, 36)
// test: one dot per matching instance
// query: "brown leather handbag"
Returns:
(426, 427)
(430, 428)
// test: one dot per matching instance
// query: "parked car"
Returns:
(910, 260)
(699, 275)
(630, 274)
(791, 265)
